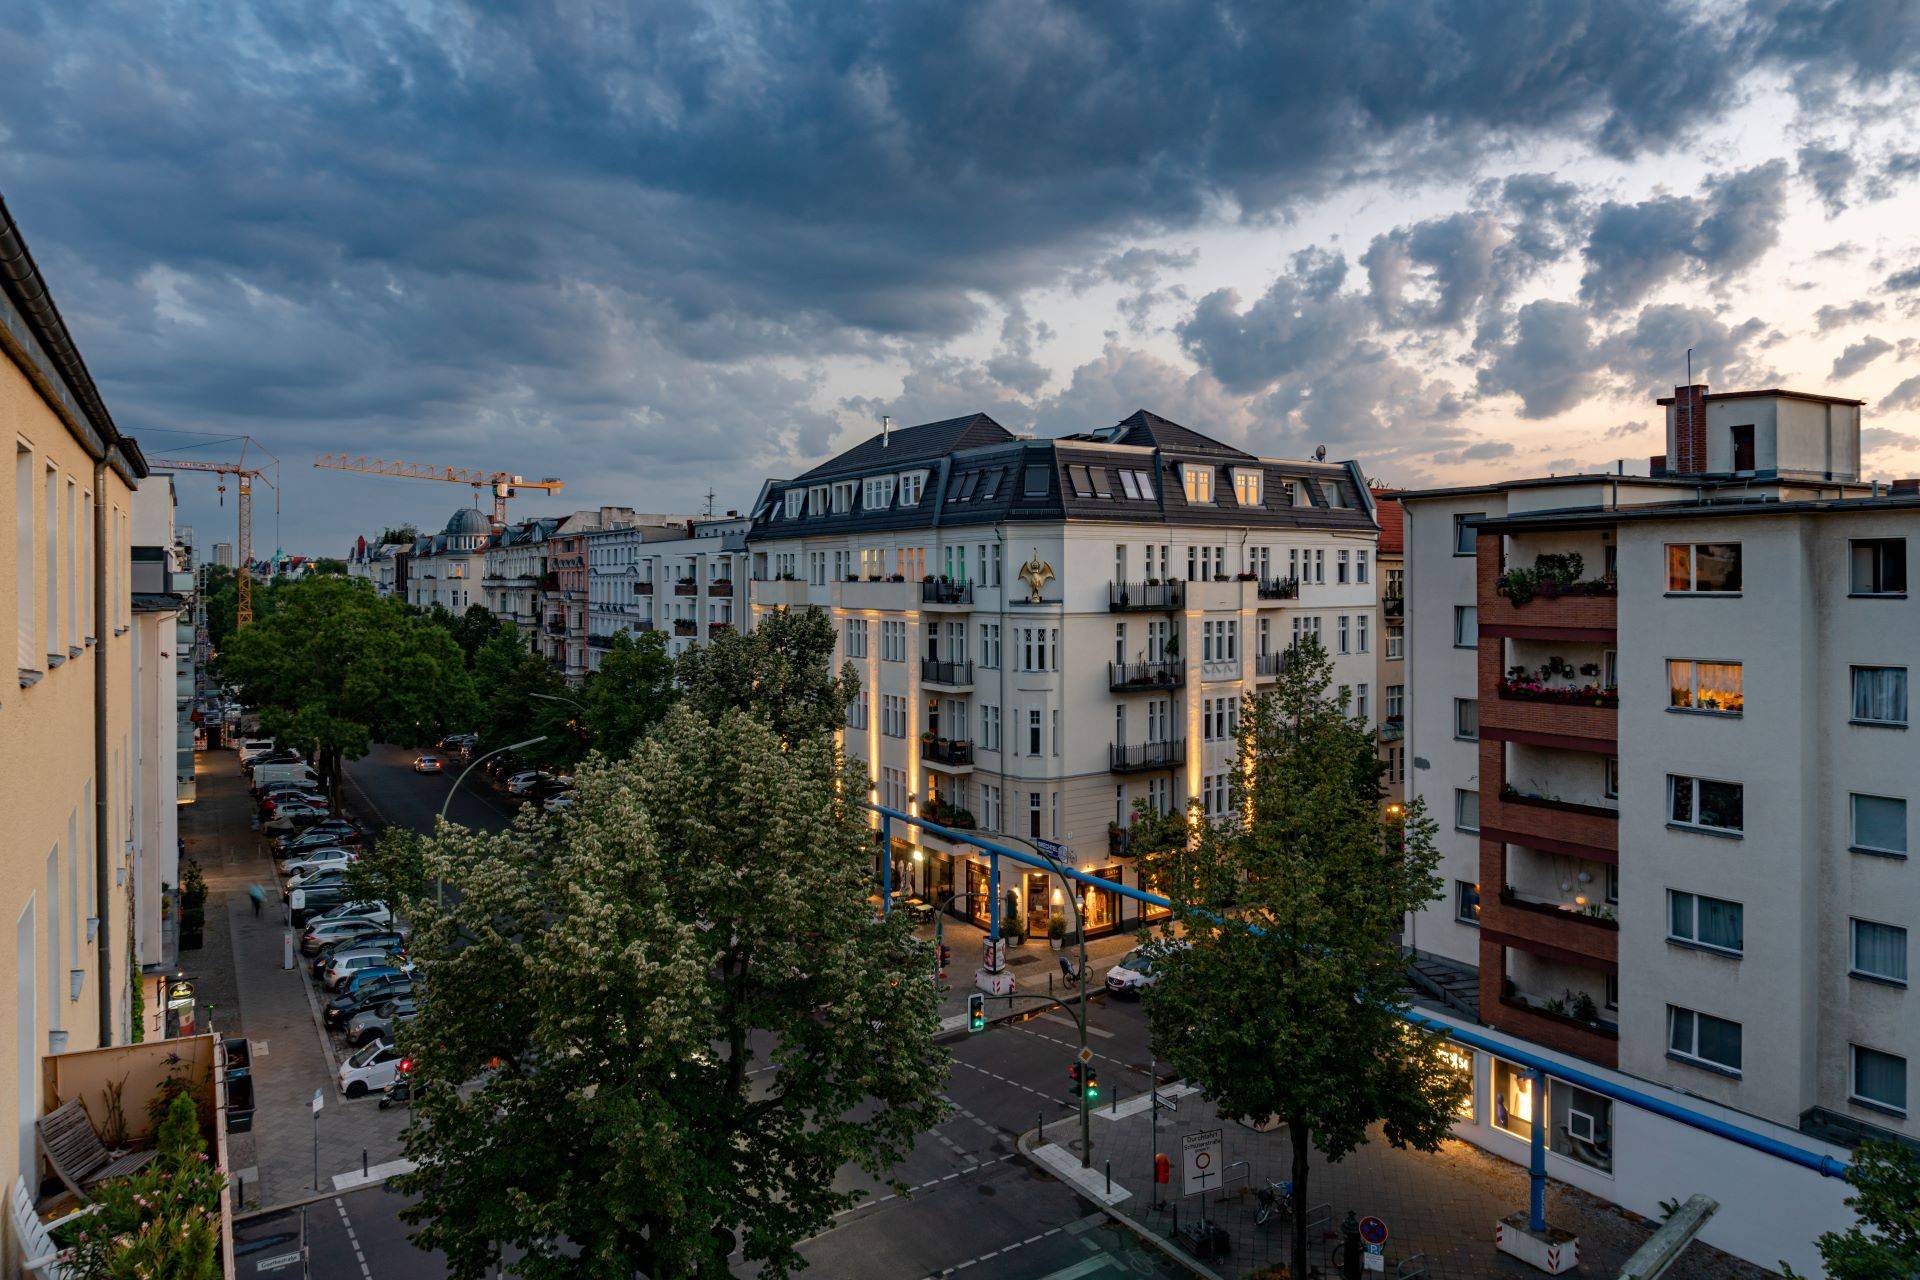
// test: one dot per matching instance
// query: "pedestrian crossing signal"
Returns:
(976, 1012)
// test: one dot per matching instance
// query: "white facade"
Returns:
(645, 578)
(448, 568)
(162, 729)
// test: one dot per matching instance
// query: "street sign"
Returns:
(1374, 1258)
(318, 1102)
(1086, 1054)
(1373, 1230)
(1052, 848)
(1200, 1158)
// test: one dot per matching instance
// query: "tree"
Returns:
(1886, 1241)
(403, 536)
(222, 596)
(329, 565)
(783, 669)
(333, 668)
(1282, 999)
(469, 630)
(521, 696)
(629, 694)
(633, 966)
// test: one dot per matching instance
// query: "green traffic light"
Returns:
(976, 1012)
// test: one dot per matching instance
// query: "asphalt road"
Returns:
(972, 1202)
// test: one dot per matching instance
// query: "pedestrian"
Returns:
(259, 897)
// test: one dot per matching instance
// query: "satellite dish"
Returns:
(1319, 453)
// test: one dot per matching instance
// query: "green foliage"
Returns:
(393, 871)
(328, 566)
(630, 693)
(627, 965)
(1886, 1196)
(1285, 1001)
(470, 630)
(782, 671)
(222, 597)
(1553, 574)
(164, 1222)
(137, 995)
(405, 536)
(334, 667)
(506, 679)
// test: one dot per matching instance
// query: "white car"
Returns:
(351, 960)
(370, 1070)
(553, 804)
(521, 783)
(317, 877)
(318, 860)
(1133, 975)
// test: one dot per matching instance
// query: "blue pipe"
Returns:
(1824, 1165)
(1537, 1154)
(993, 916)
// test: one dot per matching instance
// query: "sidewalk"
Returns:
(1442, 1205)
(239, 981)
(1035, 965)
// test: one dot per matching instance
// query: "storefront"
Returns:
(1580, 1123)
(1100, 908)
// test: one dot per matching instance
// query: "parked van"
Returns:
(266, 773)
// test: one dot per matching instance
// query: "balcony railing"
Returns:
(1279, 588)
(716, 628)
(556, 628)
(686, 587)
(1144, 757)
(1587, 695)
(950, 815)
(599, 642)
(1266, 666)
(1600, 917)
(1394, 607)
(1167, 673)
(643, 588)
(683, 626)
(952, 674)
(953, 751)
(720, 587)
(1146, 597)
(941, 591)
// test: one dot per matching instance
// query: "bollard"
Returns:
(1039, 1125)
(286, 950)
(1116, 1100)
(240, 1191)
(1109, 1175)
(1350, 1248)
(364, 1172)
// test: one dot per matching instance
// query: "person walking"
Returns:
(259, 897)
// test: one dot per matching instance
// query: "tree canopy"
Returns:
(332, 668)
(520, 697)
(1886, 1195)
(630, 693)
(1281, 998)
(782, 669)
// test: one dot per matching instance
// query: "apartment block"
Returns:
(683, 579)
(1048, 631)
(1663, 722)
(1391, 674)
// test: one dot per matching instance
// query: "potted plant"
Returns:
(926, 739)
(1012, 927)
(1056, 931)
(1584, 1009)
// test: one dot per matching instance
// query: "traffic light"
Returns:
(977, 1012)
(1073, 1077)
(946, 955)
(1093, 1083)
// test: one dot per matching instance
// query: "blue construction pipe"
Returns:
(1537, 1154)
(1824, 1165)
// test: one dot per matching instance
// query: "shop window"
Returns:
(1582, 1125)
(1512, 1099)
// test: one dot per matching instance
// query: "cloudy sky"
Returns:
(659, 247)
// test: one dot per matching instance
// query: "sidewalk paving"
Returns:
(1443, 1205)
(1035, 965)
(238, 978)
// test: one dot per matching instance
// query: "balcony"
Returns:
(888, 595)
(1134, 677)
(644, 588)
(686, 587)
(684, 626)
(949, 815)
(1266, 666)
(718, 628)
(1393, 607)
(1542, 603)
(1534, 1018)
(1279, 588)
(781, 593)
(952, 754)
(599, 642)
(1146, 597)
(941, 593)
(1146, 757)
(556, 628)
(721, 587)
(946, 675)
(1549, 825)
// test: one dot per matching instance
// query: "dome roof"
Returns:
(469, 520)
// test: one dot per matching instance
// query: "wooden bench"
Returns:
(39, 1255)
(75, 1151)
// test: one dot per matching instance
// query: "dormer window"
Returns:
(796, 503)
(1246, 486)
(1289, 494)
(1198, 481)
(912, 485)
(876, 493)
(842, 497)
(1334, 498)
(817, 500)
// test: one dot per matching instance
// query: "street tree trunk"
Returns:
(1302, 1149)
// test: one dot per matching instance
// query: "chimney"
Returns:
(1909, 485)
(1657, 465)
(886, 427)
(1687, 431)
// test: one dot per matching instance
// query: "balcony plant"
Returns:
(1554, 574)
(164, 1221)
(1534, 689)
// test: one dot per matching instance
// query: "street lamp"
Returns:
(439, 885)
(554, 697)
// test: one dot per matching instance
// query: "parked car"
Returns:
(293, 816)
(351, 960)
(383, 942)
(314, 861)
(456, 741)
(523, 783)
(558, 801)
(321, 835)
(322, 934)
(428, 764)
(380, 1021)
(359, 982)
(304, 904)
(318, 878)
(391, 986)
(375, 911)
(275, 765)
(1133, 975)
(374, 1067)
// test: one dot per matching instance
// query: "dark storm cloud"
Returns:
(568, 229)
(1830, 317)
(1635, 248)
(1830, 171)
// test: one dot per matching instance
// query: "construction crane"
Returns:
(502, 483)
(243, 578)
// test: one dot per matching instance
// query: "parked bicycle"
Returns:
(1276, 1201)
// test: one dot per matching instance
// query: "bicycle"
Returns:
(1276, 1200)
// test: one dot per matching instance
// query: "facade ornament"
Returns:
(1036, 573)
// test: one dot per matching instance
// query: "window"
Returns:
(1360, 703)
(1466, 719)
(1879, 951)
(1705, 686)
(876, 493)
(1036, 483)
(912, 485)
(1033, 814)
(1464, 536)
(26, 600)
(1198, 481)
(1360, 566)
(1246, 487)
(857, 714)
(1702, 1039)
(1878, 566)
(990, 645)
(1880, 695)
(1466, 626)
(1580, 1125)
(989, 728)
(1466, 902)
(1879, 1080)
(893, 715)
(1703, 567)
(1129, 487)
(989, 806)
(1396, 641)
(1396, 701)
(893, 642)
(1039, 648)
(1319, 566)
(1610, 781)
(842, 497)
(796, 502)
(1466, 810)
(1705, 803)
(1879, 825)
(1034, 747)
(52, 523)
(1742, 447)
(1711, 923)
(856, 637)
(1340, 631)
(1343, 566)
(817, 500)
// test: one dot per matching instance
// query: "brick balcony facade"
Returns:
(1563, 618)
(1574, 830)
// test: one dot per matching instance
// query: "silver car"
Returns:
(378, 1022)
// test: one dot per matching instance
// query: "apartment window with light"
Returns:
(1880, 695)
(1710, 924)
(1198, 481)
(1705, 804)
(1879, 951)
(1466, 626)
(1246, 487)
(1703, 1040)
(1877, 566)
(1464, 535)
(1879, 825)
(1466, 719)
(1703, 568)
(1714, 688)
(1466, 810)
(1879, 1080)
(1466, 902)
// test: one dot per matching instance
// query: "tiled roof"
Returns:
(923, 443)
(1151, 431)
(1393, 538)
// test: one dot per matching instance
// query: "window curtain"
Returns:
(1880, 949)
(1881, 1077)
(1880, 823)
(1880, 693)
(1721, 924)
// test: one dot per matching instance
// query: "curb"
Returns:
(1193, 1266)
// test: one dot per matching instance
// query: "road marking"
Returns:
(353, 1239)
(364, 796)
(1018, 1244)
(931, 1182)
(1062, 1020)
(1090, 1183)
(378, 1173)
(1015, 1083)
(1068, 1044)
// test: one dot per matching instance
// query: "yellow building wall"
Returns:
(47, 765)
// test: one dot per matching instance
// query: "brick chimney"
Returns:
(1909, 485)
(1687, 431)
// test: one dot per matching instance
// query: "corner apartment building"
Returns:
(449, 568)
(1648, 868)
(678, 576)
(1047, 631)
(67, 748)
